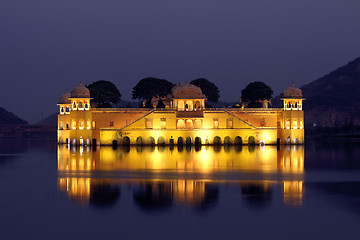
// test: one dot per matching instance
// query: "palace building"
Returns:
(184, 121)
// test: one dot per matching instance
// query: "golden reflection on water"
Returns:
(207, 159)
(76, 166)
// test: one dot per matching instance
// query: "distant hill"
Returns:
(8, 118)
(333, 100)
(52, 119)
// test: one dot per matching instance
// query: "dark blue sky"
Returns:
(49, 46)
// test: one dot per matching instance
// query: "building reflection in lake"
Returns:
(159, 176)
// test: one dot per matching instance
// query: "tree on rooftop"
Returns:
(209, 89)
(103, 93)
(256, 92)
(160, 104)
(148, 104)
(150, 87)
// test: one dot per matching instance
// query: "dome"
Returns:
(80, 92)
(64, 99)
(186, 91)
(293, 92)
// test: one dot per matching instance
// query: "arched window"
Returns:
(181, 105)
(74, 105)
(88, 124)
(197, 106)
(67, 109)
(180, 124)
(296, 105)
(189, 105)
(198, 124)
(287, 124)
(289, 105)
(62, 109)
(86, 105)
(189, 124)
(81, 124)
(80, 105)
(73, 124)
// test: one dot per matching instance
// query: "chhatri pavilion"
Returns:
(184, 121)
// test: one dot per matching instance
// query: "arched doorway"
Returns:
(151, 141)
(227, 141)
(180, 141)
(188, 141)
(217, 140)
(238, 141)
(126, 141)
(197, 141)
(288, 140)
(161, 141)
(139, 141)
(251, 140)
(114, 144)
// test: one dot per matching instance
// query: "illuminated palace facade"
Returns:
(184, 120)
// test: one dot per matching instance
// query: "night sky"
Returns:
(49, 46)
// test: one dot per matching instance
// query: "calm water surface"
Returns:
(51, 192)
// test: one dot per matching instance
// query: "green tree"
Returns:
(160, 104)
(150, 87)
(148, 104)
(103, 93)
(256, 92)
(208, 88)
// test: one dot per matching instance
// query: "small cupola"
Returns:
(293, 98)
(80, 98)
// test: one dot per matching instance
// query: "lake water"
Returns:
(295, 192)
